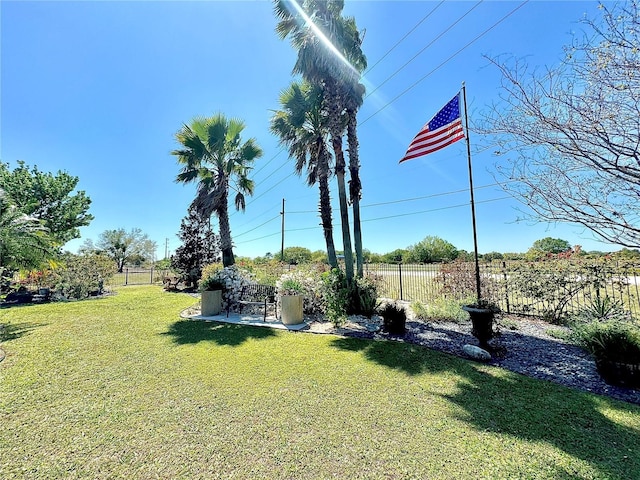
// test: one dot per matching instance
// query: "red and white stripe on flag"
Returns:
(442, 130)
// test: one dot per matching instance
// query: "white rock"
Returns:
(477, 353)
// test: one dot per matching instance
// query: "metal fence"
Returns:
(138, 276)
(546, 288)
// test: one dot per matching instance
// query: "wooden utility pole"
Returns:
(282, 244)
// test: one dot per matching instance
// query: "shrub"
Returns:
(602, 309)
(337, 295)
(364, 296)
(458, 280)
(610, 340)
(550, 285)
(394, 319)
(79, 276)
(210, 270)
(211, 283)
(308, 283)
(232, 279)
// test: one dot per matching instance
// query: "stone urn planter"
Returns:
(291, 309)
(210, 302)
(481, 322)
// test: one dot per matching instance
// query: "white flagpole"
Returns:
(473, 208)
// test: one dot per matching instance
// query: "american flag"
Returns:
(443, 129)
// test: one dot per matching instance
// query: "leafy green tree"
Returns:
(214, 155)
(296, 255)
(432, 249)
(24, 242)
(546, 245)
(301, 125)
(199, 247)
(489, 257)
(319, 256)
(122, 246)
(398, 255)
(370, 257)
(49, 198)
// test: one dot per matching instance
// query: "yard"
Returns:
(121, 387)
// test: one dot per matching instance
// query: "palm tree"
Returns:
(24, 242)
(301, 126)
(353, 92)
(215, 157)
(329, 55)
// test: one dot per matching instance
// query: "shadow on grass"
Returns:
(528, 409)
(186, 332)
(11, 331)
(406, 357)
(542, 412)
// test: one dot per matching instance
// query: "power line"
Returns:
(446, 61)
(383, 218)
(403, 38)
(424, 48)
(255, 228)
(402, 200)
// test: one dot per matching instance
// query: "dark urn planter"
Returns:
(481, 322)
(618, 373)
(396, 326)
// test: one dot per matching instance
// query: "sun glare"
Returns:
(322, 36)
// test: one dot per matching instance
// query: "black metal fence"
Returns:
(138, 276)
(545, 288)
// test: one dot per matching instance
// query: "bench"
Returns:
(254, 294)
(171, 283)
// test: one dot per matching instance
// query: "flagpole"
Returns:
(473, 208)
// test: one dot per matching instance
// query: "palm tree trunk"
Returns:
(344, 209)
(355, 187)
(225, 235)
(325, 213)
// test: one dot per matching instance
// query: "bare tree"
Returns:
(570, 135)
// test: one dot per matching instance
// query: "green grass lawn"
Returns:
(121, 387)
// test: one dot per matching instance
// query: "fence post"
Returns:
(151, 279)
(506, 285)
(126, 276)
(400, 272)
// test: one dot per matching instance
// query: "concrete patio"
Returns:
(251, 320)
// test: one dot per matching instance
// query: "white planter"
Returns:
(291, 309)
(210, 303)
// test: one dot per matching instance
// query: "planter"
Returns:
(210, 303)
(481, 322)
(291, 312)
(619, 373)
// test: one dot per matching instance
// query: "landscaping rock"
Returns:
(477, 353)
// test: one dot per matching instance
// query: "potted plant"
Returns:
(482, 313)
(394, 319)
(615, 345)
(291, 296)
(211, 296)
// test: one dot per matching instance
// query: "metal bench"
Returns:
(255, 294)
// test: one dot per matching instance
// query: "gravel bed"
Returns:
(521, 345)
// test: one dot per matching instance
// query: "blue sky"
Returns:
(98, 89)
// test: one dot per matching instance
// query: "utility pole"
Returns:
(166, 248)
(282, 244)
